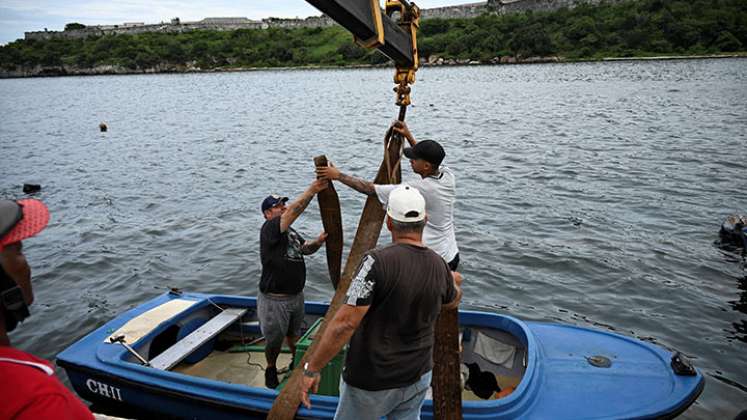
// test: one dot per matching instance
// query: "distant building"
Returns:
(226, 21)
(232, 23)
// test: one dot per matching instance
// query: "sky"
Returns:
(19, 16)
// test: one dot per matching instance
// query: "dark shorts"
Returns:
(279, 317)
(453, 264)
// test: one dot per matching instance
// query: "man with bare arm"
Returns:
(435, 182)
(280, 301)
(389, 315)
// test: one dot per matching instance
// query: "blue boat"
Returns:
(176, 355)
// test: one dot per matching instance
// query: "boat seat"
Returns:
(184, 347)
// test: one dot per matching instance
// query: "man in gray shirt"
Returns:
(435, 182)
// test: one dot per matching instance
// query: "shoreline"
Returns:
(675, 57)
(114, 70)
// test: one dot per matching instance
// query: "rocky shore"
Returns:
(109, 69)
(435, 61)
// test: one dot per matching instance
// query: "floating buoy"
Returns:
(31, 188)
(103, 127)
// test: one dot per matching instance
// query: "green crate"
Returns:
(330, 384)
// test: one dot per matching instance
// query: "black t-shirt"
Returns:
(283, 268)
(405, 286)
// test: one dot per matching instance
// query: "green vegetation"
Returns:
(204, 49)
(633, 28)
(74, 25)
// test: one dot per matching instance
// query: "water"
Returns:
(589, 194)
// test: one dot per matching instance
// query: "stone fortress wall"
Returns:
(232, 23)
(176, 26)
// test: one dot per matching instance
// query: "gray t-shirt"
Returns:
(440, 194)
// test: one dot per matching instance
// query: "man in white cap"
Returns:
(28, 387)
(389, 317)
(434, 181)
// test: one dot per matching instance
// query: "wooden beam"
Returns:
(358, 17)
(329, 207)
(447, 389)
(366, 237)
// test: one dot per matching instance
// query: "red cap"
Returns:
(35, 218)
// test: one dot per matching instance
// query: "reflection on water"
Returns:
(588, 193)
(740, 305)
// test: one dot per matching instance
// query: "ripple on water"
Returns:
(588, 193)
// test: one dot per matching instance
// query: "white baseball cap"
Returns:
(406, 204)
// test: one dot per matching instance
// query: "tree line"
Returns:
(621, 29)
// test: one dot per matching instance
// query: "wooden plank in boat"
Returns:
(200, 336)
(141, 325)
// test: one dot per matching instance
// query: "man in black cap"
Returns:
(280, 302)
(28, 387)
(435, 182)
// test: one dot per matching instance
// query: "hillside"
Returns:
(621, 29)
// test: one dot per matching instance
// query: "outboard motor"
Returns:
(733, 232)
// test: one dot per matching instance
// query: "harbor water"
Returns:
(587, 193)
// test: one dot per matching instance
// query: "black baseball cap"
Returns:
(272, 201)
(427, 150)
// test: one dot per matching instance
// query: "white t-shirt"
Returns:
(439, 193)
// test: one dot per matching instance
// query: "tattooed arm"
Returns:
(299, 204)
(360, 185)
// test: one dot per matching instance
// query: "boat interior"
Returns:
(225, 344)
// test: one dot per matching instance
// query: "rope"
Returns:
(399, 161)
(391, 171)
(215, 304)
(387, 143)
(243, 341)
(252, 364)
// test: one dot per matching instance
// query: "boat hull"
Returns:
(558, 381)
